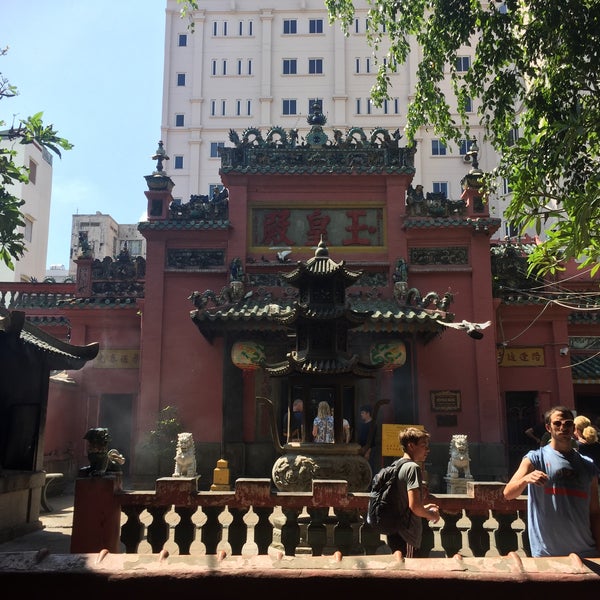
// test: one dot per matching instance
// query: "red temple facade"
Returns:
(194, 325)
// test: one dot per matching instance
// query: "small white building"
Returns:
(36, 211)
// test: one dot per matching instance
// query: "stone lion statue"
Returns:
(459, 463)
(185, 457)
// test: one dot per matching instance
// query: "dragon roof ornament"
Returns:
(281, 151)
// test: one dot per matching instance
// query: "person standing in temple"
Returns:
(323, 424)
(563, 508)
(366, 435)
(296, 423)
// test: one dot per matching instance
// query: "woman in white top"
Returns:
(323, 424)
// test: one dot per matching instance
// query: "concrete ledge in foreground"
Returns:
(105, 575)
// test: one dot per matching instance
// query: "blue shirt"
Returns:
(558, 514)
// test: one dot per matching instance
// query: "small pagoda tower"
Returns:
(321, 319)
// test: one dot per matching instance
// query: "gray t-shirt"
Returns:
(410, 526)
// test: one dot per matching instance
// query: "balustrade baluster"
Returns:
(263, 530)
(212, 530)
(370, 540)
(451, 537)
(345, 536)
(427, 541)
(479, 540)
(290, 532)
(132, 531)
(238, 530)
(507, 539)
(158, 530)
(316, 535)
(185, 530)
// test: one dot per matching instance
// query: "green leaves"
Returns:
(535, 68)
(28, 131)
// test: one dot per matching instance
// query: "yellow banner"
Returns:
(117, 359)
(521, 357)
(390, 438)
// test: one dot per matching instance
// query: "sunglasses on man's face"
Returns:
(565, 424)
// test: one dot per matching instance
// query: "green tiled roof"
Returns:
(585, 368)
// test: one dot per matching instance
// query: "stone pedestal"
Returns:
(456, 485)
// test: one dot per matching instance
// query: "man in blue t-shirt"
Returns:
(563, 509)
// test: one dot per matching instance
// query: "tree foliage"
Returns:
(27, 131)
(536, 69)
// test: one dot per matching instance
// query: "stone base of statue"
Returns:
(456, 485)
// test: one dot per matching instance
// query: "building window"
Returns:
(312, 102)
(214, 148)
(250, 27)
(438, 148)
(238, 108)
(249, 107)
(512, 231)
(179, 120)
(225, 67)
(386, 107)
(32, 171)
(224, 27)
(396, 106)
(180, 79)
(506, 189)
(179, 161)
(182, 39)
(239, 67)
(241, 28)
(215, 29)
(133, 246)
(440, 187)
(315, 26)
(28, 231)
(358, 106)
(468, 105)
(367, 65)
(315, 66)
(463, 147)
(223, 108)
(249, 66)
(289, 107)
(290, 66)
(213, 67)
(513, 136)
(213, 108)
(356, 26)
(463, 63)
(290, 26)
(357, 65)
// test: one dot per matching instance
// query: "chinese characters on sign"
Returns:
(521, 357)
(117, 359)
(445, 401)
(304, 226)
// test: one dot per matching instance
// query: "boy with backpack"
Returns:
(396, 505)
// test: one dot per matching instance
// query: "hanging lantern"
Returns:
(391, 354)
(248, 356)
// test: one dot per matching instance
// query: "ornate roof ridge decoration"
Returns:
(282, 151)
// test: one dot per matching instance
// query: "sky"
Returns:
(95, 69)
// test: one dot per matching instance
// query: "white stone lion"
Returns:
(185, 457)
(459, 463)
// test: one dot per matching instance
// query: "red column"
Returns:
(96, 515)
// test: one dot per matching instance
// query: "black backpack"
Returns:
(384, 513)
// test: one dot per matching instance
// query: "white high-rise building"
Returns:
(264, 63)
(37, 195)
